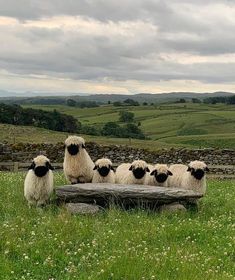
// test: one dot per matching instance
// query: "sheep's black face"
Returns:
(41, 171)
(161, 177)
(103, 171)
(73, 149)
(138, 172)
(198, 173)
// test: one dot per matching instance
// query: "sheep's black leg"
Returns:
(80, 182)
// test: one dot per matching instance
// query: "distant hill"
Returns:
(149, 97)
(39, 98)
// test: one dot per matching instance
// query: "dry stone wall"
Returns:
(25, 152)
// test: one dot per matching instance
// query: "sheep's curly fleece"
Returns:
(37, 190)
(151, 180)
(77, 168)
(97, 178)
(125, 176)
(183, 179)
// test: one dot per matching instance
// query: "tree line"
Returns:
(81, 104)
(16, 115)
(220, 99)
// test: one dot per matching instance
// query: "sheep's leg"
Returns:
(81, 180)
(31, 204)
(73, 180)
(41, 203)
(31, 201)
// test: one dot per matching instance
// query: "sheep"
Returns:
(103, 171)
(158, 175)
(78, 166)
(134, 173)
(38, 184)
(191, 177)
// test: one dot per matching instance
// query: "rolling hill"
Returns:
(184, 125)
(34, 98)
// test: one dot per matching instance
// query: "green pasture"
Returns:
(177, 125)
(49, 243)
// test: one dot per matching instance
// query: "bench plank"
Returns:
(124, 194)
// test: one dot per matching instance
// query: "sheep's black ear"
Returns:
(147, 169)
(189, 168)
(111, 168)
(51, 167)
(48, 165)
(207, 169)
(32, 166)
(83, 146)
(153, 172)
(95, 167)
(131, 167)
(169, 173)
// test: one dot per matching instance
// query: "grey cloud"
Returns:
(98, 9)
(72, 54)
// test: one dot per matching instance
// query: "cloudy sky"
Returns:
(110, 46)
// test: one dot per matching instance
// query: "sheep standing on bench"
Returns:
(134, 173)
(78, 166)
(158, 175)
(38, 184)
(103, 171)
(191, 177)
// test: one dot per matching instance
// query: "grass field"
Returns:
(49, 243)
(182, 125)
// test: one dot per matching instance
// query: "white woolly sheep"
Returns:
(38, 184)
(78, 166)
(158, 175)
(191, 177)
(134, 173)
(103, 171)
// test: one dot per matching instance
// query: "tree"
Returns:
(134, 131)
(71, 102)
(196, 100)
(90, 130)
(220, 99)
(87, 104)
(111, 129)
(145, 103)
(126, 116)
(131, 102)
(127, 131)
(231, 99)
(117, 103)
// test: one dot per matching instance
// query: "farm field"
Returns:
(176, 125)
(49, 243)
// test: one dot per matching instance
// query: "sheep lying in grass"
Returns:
(158, 175)
(78, 166)
(103, 171)
(38, 184)
(191, 177)
(134, 173)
